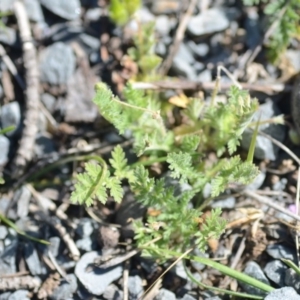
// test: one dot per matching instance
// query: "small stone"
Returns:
(34, 11)
(285, 293)
(97, 280)
(8, 36)
(252, 27)
(253, 269)
(44, 144)
(199, 50)
(23, 195)
(32, 260)
(55, 243)
(8, 259)
(66, 289)
(257, 182)
(182, 68)
(188, 297)
(3, 232)
(294, 59)
(162, 25)
(197, 265)
(65, 32)
(69, 10)
(275, 270)
(93, 14)
(5, 296)
(89, 42)
(4, 146)
(7, 5)
(210, 21)
(292, 279)
(85, 244)
(78, 104)
(165, 295)
(20, 294)
(112, 292)
(205, 76)
(11, 116)
(227, 203)
(57, 63)
(278, 251)
(135, 287)
(85, 227)
(49, 101)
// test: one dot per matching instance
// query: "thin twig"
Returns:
(26, 144)
(11, 67)
(178, 38)
(267, 88)
(270, 202)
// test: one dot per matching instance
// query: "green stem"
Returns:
(21, 232)
(223, 269)
(219, 290)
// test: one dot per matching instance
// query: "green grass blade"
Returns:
(253, 142)
(21, 232)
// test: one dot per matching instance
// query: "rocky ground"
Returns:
(76, 46)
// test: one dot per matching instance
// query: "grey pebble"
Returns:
(11, 116)
(20, 294)
(188, 297)
(55, 243)
(23, 195)
(165, 295)
(6, 5)
(275, 270)
(4, 146)
(69, 10)
(93, 14)
(98, 279)
(8, 36)
(57, 64)
(225, 203)
(252, 27)
(33, 262)
(89, 42)
(112, 292)
(44, 144)
(8, 259)
(278, 251)
(285, 293)
(199, 50)
(85, 227)
(3, 232)
(34, 11)
(66, 289)
(49, 101)
(162, 25)
(253, 269)
(292, 279)
(135, 287)
(210, 21)
(5, 296)
(85, 244)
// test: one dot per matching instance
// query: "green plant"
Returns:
(285, 16)
(178, 223)
(120, 11)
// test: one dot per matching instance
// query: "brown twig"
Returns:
(178, 38)
(267, 88)
(26, 144)
(270, 202)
